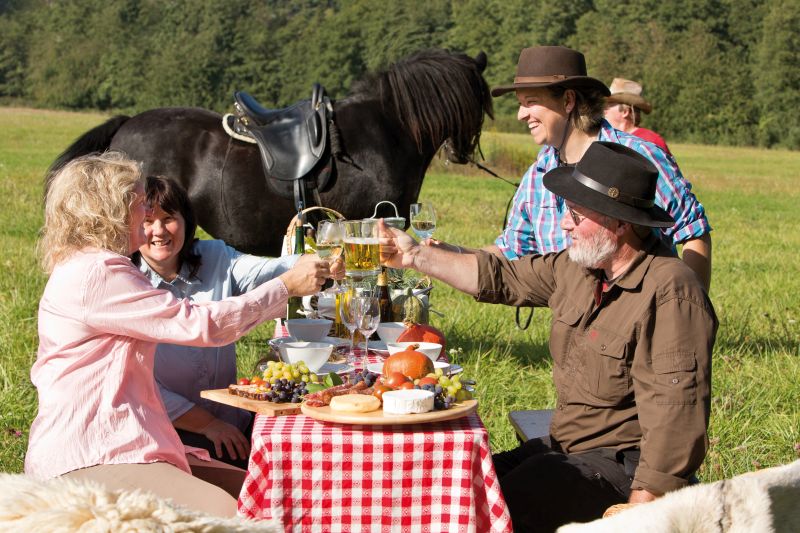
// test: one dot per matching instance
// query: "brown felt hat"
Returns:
(628, 92)
(547, 66)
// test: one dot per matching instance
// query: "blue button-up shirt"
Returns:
(534, 222)
(181, 372)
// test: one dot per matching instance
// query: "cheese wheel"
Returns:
(404, 402)
(355, 403)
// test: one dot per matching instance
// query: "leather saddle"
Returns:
(293, 142)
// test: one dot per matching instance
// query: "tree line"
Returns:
(717, 71)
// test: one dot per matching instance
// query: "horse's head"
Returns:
(438, 96)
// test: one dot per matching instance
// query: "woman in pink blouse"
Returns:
(100, 414)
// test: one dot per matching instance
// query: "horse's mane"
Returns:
(436, 95)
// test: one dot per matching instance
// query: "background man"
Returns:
(624, 110)
(631, 341)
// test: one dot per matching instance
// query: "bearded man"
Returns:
(631, 340)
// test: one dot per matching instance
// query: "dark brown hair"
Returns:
(171, 197)
(589, 106)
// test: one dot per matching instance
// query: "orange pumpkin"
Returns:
(422, 333)
(409, 362)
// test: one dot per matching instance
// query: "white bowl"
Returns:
(389, 331)
(313, 354)
(431, 349)
(309, 329)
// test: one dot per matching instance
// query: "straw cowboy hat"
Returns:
(628, 92)
(614, 180)
(546, 66)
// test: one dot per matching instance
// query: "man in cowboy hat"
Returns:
(631, 339)
(563, 108)
(624, 110)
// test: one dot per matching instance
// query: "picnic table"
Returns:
(311, 475)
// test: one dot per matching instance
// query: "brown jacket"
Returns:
(631, 372)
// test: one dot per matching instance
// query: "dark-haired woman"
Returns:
(202, 271)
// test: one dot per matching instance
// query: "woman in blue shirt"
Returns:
(201, 270)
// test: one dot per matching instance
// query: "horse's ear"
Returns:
(480, 60)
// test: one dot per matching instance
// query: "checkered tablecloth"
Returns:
(319, 476)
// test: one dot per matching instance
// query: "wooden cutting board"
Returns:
(257, 406)
(377, 418)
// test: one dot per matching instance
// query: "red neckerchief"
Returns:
(601, 287)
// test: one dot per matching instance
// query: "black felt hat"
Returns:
(548, 66)
(613, 180)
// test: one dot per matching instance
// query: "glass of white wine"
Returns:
(423, 220)
(330, 243)
(368, 315)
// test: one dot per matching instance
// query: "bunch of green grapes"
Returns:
(297, 372)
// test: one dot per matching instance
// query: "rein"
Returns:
(517, 318)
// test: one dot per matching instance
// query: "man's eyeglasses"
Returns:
(577, 218)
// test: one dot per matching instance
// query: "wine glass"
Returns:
(330, 242)
(368, 316)
(349, 319)
(423, 220)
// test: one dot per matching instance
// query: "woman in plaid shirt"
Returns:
(563, 108)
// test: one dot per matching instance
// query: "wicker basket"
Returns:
(288, 248)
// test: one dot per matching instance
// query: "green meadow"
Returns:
(752, 199)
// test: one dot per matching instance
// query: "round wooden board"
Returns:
(377, 418)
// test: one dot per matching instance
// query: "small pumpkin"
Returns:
(408, 306)
(416, 332)
(409, 362)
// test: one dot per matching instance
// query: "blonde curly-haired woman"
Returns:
(100, 414)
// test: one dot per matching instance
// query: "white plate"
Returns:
(339, 368)
(377, 368)
(376, 346)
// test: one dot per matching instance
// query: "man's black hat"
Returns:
(614, 180)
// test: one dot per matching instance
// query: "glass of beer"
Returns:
(361, 248)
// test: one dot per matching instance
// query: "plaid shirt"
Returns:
(534, 223)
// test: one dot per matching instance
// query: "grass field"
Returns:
(751, 197)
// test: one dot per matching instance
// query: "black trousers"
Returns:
(546, 488)
(200, 441)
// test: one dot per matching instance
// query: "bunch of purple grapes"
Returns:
(440, 401)
(287, 391)
(366, 376)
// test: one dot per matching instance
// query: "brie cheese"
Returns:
(408, 401)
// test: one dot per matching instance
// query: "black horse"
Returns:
(391, 125)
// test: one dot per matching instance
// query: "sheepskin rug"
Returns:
(766, 501)
(65, 505)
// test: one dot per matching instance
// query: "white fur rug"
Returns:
(62, 504)
(766, 501)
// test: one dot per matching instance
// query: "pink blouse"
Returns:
(99, 322)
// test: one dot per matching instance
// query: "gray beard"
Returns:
(593, 252)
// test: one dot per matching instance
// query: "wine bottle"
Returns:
(295, 303)
(384, 299)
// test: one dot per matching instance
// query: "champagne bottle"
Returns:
(295, 303)
(384, 299)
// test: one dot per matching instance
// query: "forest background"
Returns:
(718, 71)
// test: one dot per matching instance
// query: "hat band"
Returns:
(611, 192)
(540, 79)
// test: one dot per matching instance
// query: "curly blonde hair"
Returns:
(88, 204)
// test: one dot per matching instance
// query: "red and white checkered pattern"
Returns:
(319, 476)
